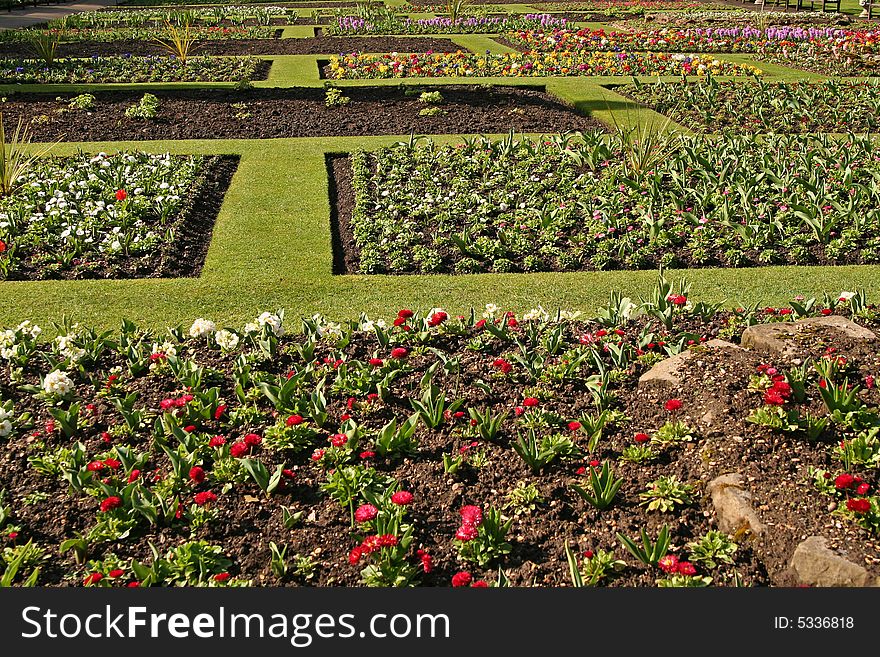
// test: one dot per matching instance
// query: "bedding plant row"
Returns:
(123, 68)
(393, 24)
(758, 106)
(358, 66)
(74, 35)
(638, 201)
(208, 16)
(431, 450)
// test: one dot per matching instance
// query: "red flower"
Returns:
(773, 398)
(466, 532)
(252, 439)
(133, 475)
(116, 572)
(641, 438)
(399, 352)
(860, 505)
(111, 503)
(217, 441)
(293, 420)
(93, 578)
(221, 577)
(437, 318)
(863, 489)
(338, 439)
(481, 584)
(2, 246)
(678, 300)
(426, 559)
(869, 381)
(121, 195)
(574, 425)
(402, 497)
(318, 454)
(405, 314)
(190, 428)
(365, 513)
(686, 568)
(827, 311)
(588, 554)
(203, 498)
(221, 409)
(594, 463)
(95, 466)
(673, 405)
(530, 401)
(844, 481)
(668, 563)
(197, 474)
(461, 579)
(376, 362)
(367, 454)
(133, 585)
(471, 515)
(355, 555)
(238, 449)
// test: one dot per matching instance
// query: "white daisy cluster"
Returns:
(226, 339)
(5, 421)
(202, 328)
(12, 342)
(65, 345)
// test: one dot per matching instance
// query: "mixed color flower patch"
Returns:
(351, 25)
(129, 69)
(425, 450)
(763, 106)
(73, 35)
(358, 66)
(565, 204)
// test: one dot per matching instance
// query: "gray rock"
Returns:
(733, 505)
(666, 371)
(779, 337)
(815, 564)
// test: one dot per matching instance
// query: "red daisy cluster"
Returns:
(371, 544)
(471, 519)
(670, 564)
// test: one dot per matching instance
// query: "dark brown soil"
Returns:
(314, 46)
(297, 112)
(182, 257)
(346, 254)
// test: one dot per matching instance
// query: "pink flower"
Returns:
(668, 563)
(338, 439)
(252, 439)
(217, 441)
(365, 513)
(402, 497)
(471, 515)
(686, 568)
(399, 352)
(466, 533)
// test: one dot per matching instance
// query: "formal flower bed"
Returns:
(531, 64)
(137, 34)
(726, 16)
(622, 7)
(763, 106)
(132, 69)
(213, 16)
(347, 25)
(102, 216)
(732, 39)
(568, 204)
(427, 449)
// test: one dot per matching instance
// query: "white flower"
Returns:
(846, 296)
(202, 327)
(5, 428)
(491, 311)
(272, 321)
(536, 314)
(226, 339)
(569, 314)
(67, 349)
(57, 383)
(251, 327)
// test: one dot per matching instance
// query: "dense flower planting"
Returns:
(358, 66)
(84, 213)
(218, 15)
(349, 25)
(73, 35)
(763, 106)
(710, 39)
(570, 204)
(621, 7)
(427, 450)
(129, 69)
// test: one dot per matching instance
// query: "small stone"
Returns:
(733, 505)
(814, 564)
(776, 338)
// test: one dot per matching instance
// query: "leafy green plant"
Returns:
(20, 559)
(490, 544)
(278, 559)
(604, 487)
(593, 569)
(268, 482)
(712, 549)
(146, 108)
(523, 498)
(395, 440)
(179, 41)
(82, 102)
(667, 493)
(44, 45)
(539, 453)
(333, 97)
(431, 98)
(649, 552)
(16, 161)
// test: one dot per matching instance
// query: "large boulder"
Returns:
(781, 337)
(733, 505)
(815, 564)
(666, 371)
